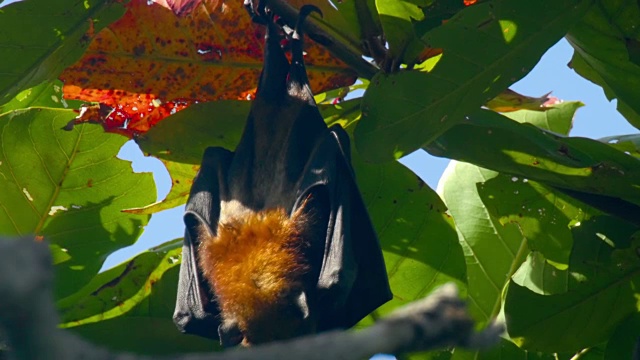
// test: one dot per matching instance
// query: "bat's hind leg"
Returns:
(298, 80)
(272, 86)
(298, 33)
(262, 14)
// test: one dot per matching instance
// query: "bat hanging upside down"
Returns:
(278, 242)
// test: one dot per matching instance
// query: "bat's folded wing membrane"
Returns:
(196, 310)
(353, 280)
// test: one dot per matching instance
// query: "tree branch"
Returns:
(29, 319)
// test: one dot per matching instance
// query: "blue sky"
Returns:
(598, 118)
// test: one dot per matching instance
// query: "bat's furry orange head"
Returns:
(255, 265)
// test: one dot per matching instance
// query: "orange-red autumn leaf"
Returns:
(152, 63)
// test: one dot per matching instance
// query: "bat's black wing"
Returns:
(353, 279)
(196, 311)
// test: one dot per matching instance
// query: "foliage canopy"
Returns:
(537, 227)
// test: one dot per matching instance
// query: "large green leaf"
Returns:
(596, 273)
(607, 52)
(117, 291)
(630, 144)
(70, 187)
(418, 239)
(39, 38)
(603, 279)
(405, 23)
(486, 48)
(543, 216)
(184, 136)
(494, 214)
(492, 250)
(537, 275)
(138, 295)
(558, 118)
(397, 17)
(623, 342)
(506, 350)
(490, 140)
(419, 242)
(182, 175)
(145, 335)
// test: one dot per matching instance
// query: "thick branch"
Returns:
(28, 316)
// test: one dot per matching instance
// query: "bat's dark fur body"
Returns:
(278, 242)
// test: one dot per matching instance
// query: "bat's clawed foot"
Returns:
(298, 32)
(262, 14)
(259, 14)
(305, 11)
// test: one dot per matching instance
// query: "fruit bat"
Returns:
(278, 242)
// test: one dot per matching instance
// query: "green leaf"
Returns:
(610, 205)
(603, 278)
(58, 34)
(115, 292)
(429, 355)
(396, 17)
(361, 16)
(339, 24)
(546, 279)
(629, 144)
(181, 180)
(184, 136)
(70, 187)
(506, 350)
(543, 216)
(558, 118)
(47, 94)
(499, 218)
(137, 295)
(622, 343)
(492, 251)
(537, 275)
(144, 335)
(486, 48)
(419, 242)
(490, 140)
(606, 44)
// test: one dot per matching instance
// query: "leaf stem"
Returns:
(579, 354)
(518, 259)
